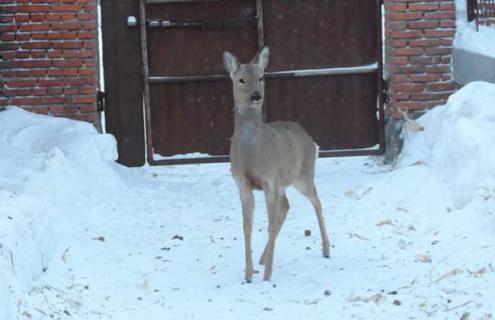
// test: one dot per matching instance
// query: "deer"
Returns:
(267, 157)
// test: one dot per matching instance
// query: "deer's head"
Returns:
(247, 79)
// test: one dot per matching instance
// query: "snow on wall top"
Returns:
(467, 38)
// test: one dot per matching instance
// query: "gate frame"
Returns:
(146, 79)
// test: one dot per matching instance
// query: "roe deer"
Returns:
(268, 157)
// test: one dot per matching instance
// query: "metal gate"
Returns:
(324, 72)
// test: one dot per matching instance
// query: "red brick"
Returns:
(402, 16)
(412, 87)
(408, 51)
(86, 72)
(39, 91)
(439, 15)
(447, 24)
(441, 86)
(398, 43)
(427, 78)
(17, 92)
(21, 83)
(73, 44)
(424, 42)
(407, 105)
(33, 8)
(66, 26)
(36, 109)
(439, 50)
(85, 99)
(408, 34)
(396, 7)
(439, 33)
(55, 90)
(423, 6)
(438, 69)
(423, 60)
(21, 101)
(423, 24)
(67, 63)
(70, 72)
(66, 8)
(447, 6)
(54, 100)
(398, 60)
(409, 69)
(429, 96)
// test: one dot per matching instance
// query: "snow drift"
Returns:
(401, 230)
(50, 168)
(458, 143)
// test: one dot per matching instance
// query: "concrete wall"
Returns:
(471, 66)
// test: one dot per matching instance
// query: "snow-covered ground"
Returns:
(467, 38)
(84, 238)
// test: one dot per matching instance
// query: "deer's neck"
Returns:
(248, 125)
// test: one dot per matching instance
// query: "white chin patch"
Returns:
(257, 104)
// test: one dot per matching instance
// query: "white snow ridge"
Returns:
(82, 237)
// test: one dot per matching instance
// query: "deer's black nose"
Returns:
(256, 97)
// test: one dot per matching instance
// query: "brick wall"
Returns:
(49, 52)
(419, 36)
(49, 56)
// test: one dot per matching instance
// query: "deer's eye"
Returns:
(241, 81)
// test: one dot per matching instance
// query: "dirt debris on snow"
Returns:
(67, 185)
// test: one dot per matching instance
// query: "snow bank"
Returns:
(458, 143)
(49, 169)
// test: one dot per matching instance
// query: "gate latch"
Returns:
(100, 101)
(171, 24)
(385, 96)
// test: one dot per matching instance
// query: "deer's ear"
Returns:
(261, 58)
(230, 62)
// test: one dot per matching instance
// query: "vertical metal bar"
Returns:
(261, 41)
(379, 58)
(145, 74)
(471, 11)
(259, 17)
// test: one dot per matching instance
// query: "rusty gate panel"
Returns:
(192, 117)
(196, 116)
(338, 111)
(313, 34)
(197, 49)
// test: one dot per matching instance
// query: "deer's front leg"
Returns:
(247, 201)
(272, 196)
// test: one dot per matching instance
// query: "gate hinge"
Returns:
(100, 101)
(385, 96)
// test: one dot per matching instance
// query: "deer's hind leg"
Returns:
(307, 188)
